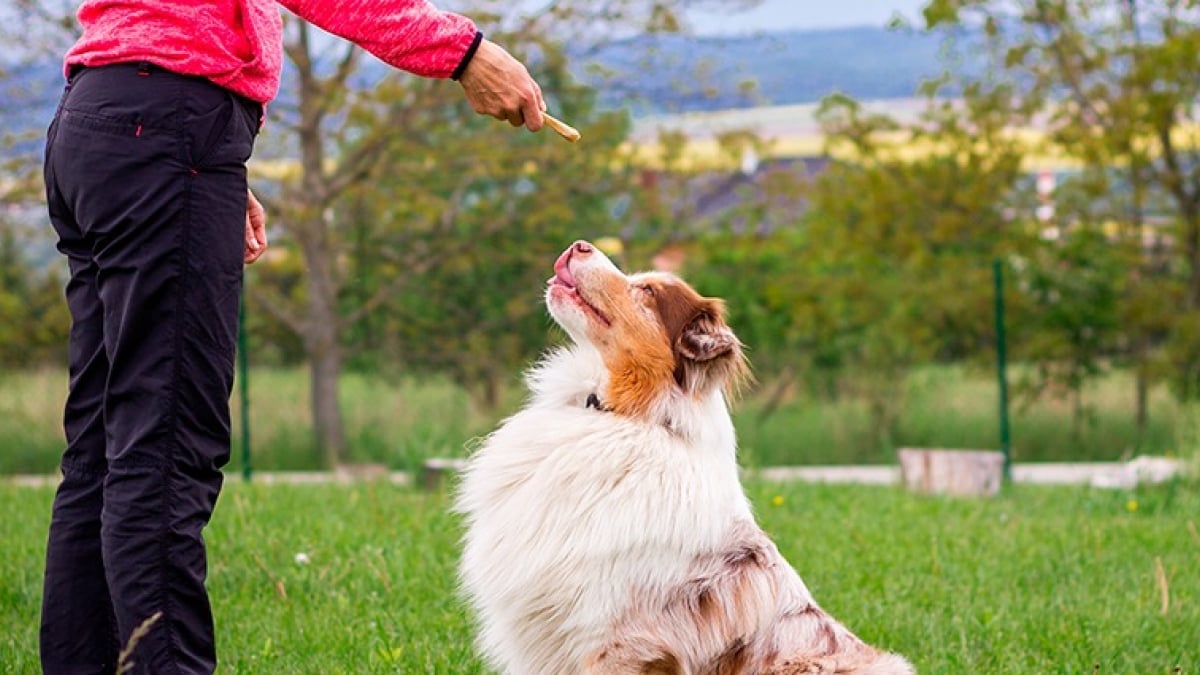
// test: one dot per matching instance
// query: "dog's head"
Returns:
(655, 333)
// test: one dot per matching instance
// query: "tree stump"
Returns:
(435, 470)
(953, 472)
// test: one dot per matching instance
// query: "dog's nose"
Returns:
(581, 247)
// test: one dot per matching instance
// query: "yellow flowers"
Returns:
(777, 500)
(1131, 505)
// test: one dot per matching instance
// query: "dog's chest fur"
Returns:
(569, 507)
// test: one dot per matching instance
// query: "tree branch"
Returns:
(273, 306)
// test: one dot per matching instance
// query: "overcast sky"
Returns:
(791, 14)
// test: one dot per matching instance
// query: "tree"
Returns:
(352, 130)
(901, 233)
(480, 236)
(1115, 85)
(33, 318)
(1074, 287)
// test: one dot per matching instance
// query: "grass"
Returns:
(1036, 580)
(400, 423)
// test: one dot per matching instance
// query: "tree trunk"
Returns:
(324, 349)
(326, 408)
(1077, 412)
(1191, 237)
(1142, 383)
(491, 390)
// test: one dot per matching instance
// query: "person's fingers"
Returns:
(532, 109)
(253, 249)
(258, 239)
(256, 229)
(499, 85)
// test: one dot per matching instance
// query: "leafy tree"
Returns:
(395, 183)
(1075, 287)
(901, 234)
(476, 241)
(33, 317)
(1115, 85)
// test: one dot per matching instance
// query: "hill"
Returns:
(679, 73)
(663, 73)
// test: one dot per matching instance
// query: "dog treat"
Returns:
(565, 130)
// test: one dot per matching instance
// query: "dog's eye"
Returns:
(648, 290)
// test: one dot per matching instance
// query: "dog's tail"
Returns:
(866, 661)
(888, 663)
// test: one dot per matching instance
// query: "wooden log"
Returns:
(954, 472)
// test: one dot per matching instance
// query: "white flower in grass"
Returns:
(301, 558)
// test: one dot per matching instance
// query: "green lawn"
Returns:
(1035, 581)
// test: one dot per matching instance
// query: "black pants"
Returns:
(146, 183)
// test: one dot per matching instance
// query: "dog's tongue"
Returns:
(562, 273)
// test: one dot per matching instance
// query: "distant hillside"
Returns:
(663, 73)
(672, 73)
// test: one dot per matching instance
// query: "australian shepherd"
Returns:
(606, 527)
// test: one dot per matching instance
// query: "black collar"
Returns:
(593, 401)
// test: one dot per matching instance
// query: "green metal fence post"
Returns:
(244, 384)
(1002, 367)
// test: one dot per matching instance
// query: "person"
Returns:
(145, 172)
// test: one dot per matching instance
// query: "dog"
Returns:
(606, 529)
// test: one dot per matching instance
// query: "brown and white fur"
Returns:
(613, 536)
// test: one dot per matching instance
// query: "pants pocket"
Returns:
(221, 137)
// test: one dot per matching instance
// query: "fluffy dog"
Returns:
(606, 527)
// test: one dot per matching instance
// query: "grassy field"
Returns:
(400, 423)
(1035, 581)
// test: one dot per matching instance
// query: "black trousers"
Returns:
(146, 184)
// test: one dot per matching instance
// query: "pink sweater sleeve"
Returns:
(411, 35)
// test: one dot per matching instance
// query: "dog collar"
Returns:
(593, 401)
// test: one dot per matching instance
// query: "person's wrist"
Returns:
(468, 56)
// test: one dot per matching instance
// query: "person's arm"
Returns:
(421, 39)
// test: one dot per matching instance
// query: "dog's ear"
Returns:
(705, 350)
(708, 354)
(705, 338)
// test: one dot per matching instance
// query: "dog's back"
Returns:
(607, 531)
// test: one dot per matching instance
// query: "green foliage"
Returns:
(1114, 85)
(414, 230)
(1074, 287)
(463, 252)
(33, 317)
(897, 247)
(1036, 580)
(893, 265)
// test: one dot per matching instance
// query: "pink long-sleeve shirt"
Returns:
(238, 44)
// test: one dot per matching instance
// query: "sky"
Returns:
(804, 14)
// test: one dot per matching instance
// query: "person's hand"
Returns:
(497, 84)
(256, 229)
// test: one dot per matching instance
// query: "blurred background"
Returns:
(881, 190)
